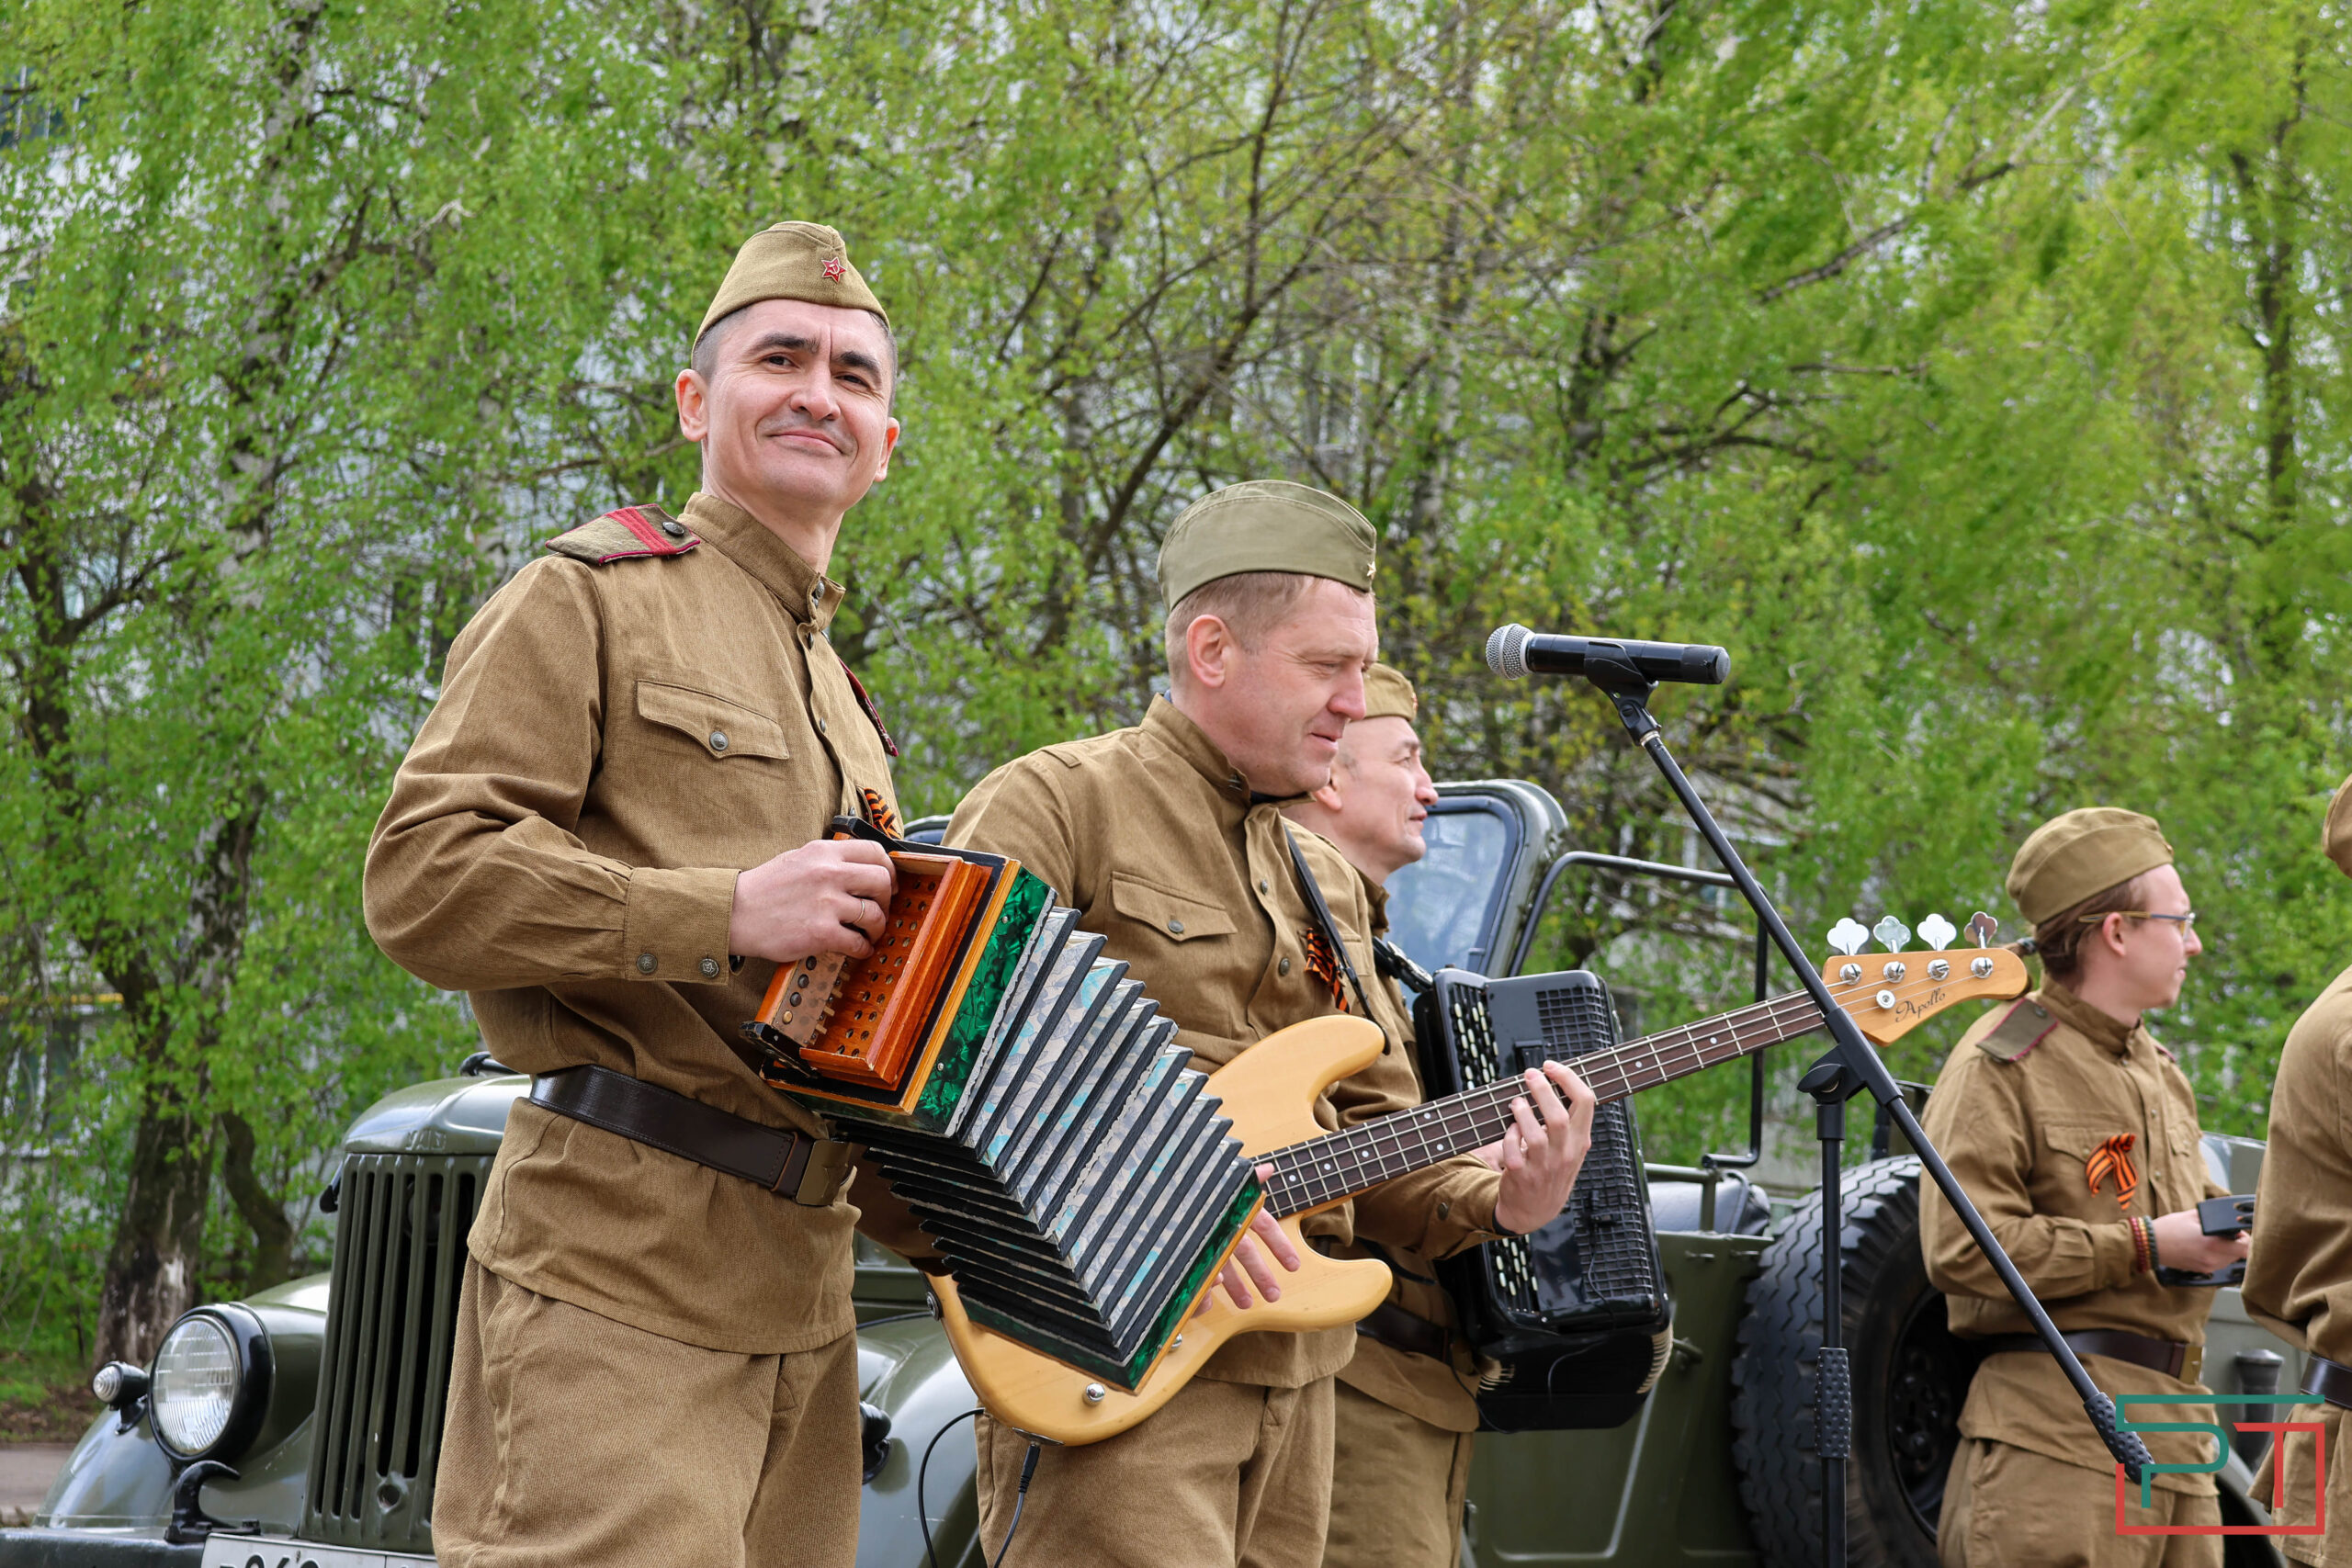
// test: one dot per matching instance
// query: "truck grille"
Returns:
(400, 1258)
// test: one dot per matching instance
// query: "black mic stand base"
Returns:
(1850, 1067)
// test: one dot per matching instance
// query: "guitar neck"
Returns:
(1339, 1165)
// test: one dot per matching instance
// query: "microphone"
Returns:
(1514, 652)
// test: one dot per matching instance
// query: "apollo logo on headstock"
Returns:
(1889, 994)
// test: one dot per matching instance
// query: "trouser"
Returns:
(1397, 1487)
(2006, 1506)
(2293, 1499)
(573, 1439)
(1224, 1475)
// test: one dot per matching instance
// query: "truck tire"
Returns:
(1910, 1377)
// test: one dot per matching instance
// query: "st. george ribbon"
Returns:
(1514, 652)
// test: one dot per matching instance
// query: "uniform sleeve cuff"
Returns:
(1472, 1218)
(676, 928)
(2114, 1253)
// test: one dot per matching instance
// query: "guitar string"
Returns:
(1333, 1167)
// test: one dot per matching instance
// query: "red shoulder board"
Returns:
(873, 711)
(626, 534)
(2019, 1031)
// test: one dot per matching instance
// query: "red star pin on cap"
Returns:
(834, 269)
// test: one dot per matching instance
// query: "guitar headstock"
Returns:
(1889, 994)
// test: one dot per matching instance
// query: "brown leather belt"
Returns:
(806, 1170)
(2170, 1356)
(2331, 1381)
(1400, 1330)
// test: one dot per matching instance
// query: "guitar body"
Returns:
(1268, 1093)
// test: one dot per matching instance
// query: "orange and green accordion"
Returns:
(1027, 1100)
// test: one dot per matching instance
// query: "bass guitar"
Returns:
(1268, 1093)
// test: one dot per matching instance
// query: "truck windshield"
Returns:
(1443, 908)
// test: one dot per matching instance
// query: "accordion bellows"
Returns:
(1031, 1105)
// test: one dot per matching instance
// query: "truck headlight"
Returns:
(209, 1384)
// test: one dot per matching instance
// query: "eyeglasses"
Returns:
(2186, 922)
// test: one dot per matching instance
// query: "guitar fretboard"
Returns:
(1341, 1165)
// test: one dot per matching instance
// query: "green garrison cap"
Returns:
(2069, 858)
(2336, 837)
(1387, 695)
(1266, 526)
(792, 261)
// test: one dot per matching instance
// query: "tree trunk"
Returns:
(151, 1267)
(273, 1260)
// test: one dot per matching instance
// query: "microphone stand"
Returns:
(1849, 1067)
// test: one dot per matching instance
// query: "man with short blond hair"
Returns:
(1169, 839)
(2076, 1134)
(1405, 1405)
(610, 830)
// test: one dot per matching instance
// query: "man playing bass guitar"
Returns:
(1169, 839)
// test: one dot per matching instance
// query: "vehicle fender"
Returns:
(906, 1370)
(116, 1480)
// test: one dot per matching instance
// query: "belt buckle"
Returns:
(2192, 1363)
(829, 1166)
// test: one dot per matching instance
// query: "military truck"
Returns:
(299, 1426)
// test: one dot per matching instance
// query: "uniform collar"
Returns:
(1377, 893)
(2087, 1020)
(808, 594)
(1166, 724)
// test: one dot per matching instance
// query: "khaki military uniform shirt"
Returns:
(613, 743)
(1153, 836)
(1441, 1392)
(2298, 1276)
(2022, 1109)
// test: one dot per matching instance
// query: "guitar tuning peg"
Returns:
(1937, 932)
(1848, 936)
(1983, 928)
(1893, 932)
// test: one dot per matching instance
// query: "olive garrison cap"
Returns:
(1387, 695)
(2336, 836)
(2069, 858)
(791, 261)
(1266, 526)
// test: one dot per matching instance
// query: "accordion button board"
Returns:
(1576, 1311)
(1029, 1102)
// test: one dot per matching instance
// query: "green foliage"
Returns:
(1972, 373)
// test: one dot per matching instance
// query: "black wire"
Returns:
(1019, 1499)
(923, 1473)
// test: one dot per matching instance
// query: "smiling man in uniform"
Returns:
(2076, 1134)
(610, 830)
(1404, 1406)
(1169, 839)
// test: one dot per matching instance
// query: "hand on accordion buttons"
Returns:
(826, 897)
(1248, 1264)
(1539, 1161)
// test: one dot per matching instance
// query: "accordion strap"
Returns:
(1330, 929)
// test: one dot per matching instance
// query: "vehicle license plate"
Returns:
(274, 1551)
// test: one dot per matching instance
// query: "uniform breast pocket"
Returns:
(719, 729)
(2084, 1157)
(1173, 914)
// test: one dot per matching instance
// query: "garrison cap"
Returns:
(2336, 837)
(2069, 858)
(792, 261)
(1266, 526)
(1387, 695)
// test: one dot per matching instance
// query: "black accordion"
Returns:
(1576, 1312)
